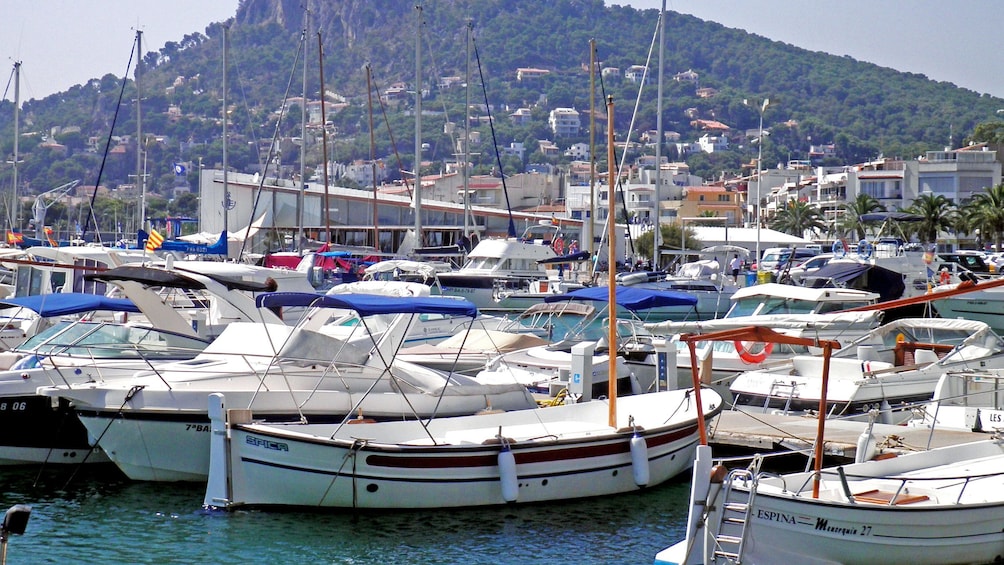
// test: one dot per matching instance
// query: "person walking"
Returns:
(735, 265)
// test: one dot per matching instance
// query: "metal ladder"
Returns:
(774, 387)
(736, 505)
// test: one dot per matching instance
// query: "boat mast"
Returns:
(593, 250)
(376, 220)
(140, 179)
(226, 116)
(416, 196)
(657, 234)
(303, 138)
(467, 137)
(15, 204)
(611, 272)
(324, 141)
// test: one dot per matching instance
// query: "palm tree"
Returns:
(986, 212)
(938, 215)
(851, 221)
(797, 217)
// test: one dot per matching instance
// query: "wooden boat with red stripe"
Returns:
(535, 455)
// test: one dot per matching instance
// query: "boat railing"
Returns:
(899, 492)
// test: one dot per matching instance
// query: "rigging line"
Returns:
(271, 152)
(10, 79)
(634, 116)
(498, 157)
(108, 146)
(247, 108)
(390, 132)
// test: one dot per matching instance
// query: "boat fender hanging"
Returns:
(839, 248)
(507, 474)
(639, 460)
(747, 355)
(864, 249)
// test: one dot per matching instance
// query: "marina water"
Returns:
(96, 516)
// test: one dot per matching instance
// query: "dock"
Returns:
(758, 432)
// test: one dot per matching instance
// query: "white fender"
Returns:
(507, 475)
(639, 460)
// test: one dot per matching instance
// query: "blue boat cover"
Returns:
(370, 304)
(629, 297)
(65, 303)
(580, 256)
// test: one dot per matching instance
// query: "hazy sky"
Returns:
(66, 42)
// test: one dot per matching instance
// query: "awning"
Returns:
(65, 303)
(371, 304)
(628, 297)
(862, 276)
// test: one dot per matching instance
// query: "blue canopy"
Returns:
(897, 216)
(370, 304)
(629, 297)
(64, 303)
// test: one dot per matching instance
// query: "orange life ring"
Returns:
(747, 355)
(559, 246)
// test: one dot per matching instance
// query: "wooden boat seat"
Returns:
(876, 496)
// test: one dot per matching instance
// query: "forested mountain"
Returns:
(863, 109)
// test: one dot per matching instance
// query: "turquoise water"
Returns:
(98, 517)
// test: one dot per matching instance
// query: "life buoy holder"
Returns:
(839, 248)
(748, 355)
(864, 249)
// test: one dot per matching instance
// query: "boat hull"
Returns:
(554, 460)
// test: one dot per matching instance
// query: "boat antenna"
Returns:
(498, 157)
(108, 145)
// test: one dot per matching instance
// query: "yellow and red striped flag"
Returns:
(154, 240)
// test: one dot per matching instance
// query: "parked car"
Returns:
(807, 268)
(775, 258)
(970, 260)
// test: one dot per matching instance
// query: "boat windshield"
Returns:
(777, 305)
(486, 263)
(110, 341)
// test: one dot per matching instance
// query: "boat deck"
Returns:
(772, 432)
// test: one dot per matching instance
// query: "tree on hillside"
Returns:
(938, 214)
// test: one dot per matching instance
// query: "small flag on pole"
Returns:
(154, 240)
(48, 235)
(179, 169)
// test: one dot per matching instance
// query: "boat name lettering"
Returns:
(13, 406)
(267, 444)
(197, 427)
(774, 516)
(822, 524)
(995, 417)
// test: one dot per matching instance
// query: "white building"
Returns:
(564, 122)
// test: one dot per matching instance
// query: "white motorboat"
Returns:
(499, 266)
(809, 312)
(547, 369)
(155, 425)
(894, 365)
(964, 400)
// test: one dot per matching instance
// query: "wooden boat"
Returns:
(940, 506)
(522, 456)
